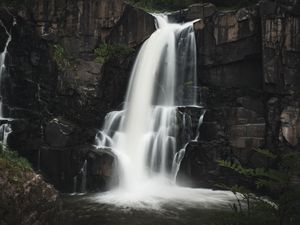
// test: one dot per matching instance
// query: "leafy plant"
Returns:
(106, 51)
(278, 181)
(13, 160)
(61, 58)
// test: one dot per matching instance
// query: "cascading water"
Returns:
(145, 134)
(5, 129)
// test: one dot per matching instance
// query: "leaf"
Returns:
(266, 153)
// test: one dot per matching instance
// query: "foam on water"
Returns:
(156, 194)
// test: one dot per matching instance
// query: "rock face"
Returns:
(57, 91)
(249, 73)
(25, 198)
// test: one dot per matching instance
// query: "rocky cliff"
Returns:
(59, 93)
(249, 73)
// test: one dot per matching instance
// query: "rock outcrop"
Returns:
(25, 198)
(249, 74)
(57, 92)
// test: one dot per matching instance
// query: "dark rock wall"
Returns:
(249, 65)
(57, 111)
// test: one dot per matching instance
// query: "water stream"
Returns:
(5, 128)
(145, 134)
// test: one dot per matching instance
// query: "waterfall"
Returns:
(144, 135)
(5, 129)
(150, 135)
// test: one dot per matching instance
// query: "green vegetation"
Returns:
(10, 159)
(62, 59)
(106, 51)
(278, 182)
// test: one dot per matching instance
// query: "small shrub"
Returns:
(280, 184)
(12, 159)
(62, 59)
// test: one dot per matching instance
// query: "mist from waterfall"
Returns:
(145, 134)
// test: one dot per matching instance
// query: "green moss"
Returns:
(62, 59)
(11, 160)
(106, 51)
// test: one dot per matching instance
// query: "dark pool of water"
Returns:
(80, 210)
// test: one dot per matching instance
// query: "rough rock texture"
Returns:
(249, 73)
(25, 198)
(59, 102)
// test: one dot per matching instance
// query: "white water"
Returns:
(5, 129)
(145, 134)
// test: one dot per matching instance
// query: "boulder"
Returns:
(102, 170)
(25, 197)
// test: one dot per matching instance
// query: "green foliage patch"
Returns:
(12, 160)
(107, 51)
(61, 58)
(279, 182)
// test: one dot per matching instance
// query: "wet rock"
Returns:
(268, 7)
(229, 49)
(102, 170)
(273, 122)
(201, 10)
(290, 120)
(252, 104)
(199, 166)
(134, 27)
(60, 133)
(292, 6)
(178, 16)
(25, 197)
(78, 24)
(281, 51)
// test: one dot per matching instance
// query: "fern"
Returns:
(285, 206)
